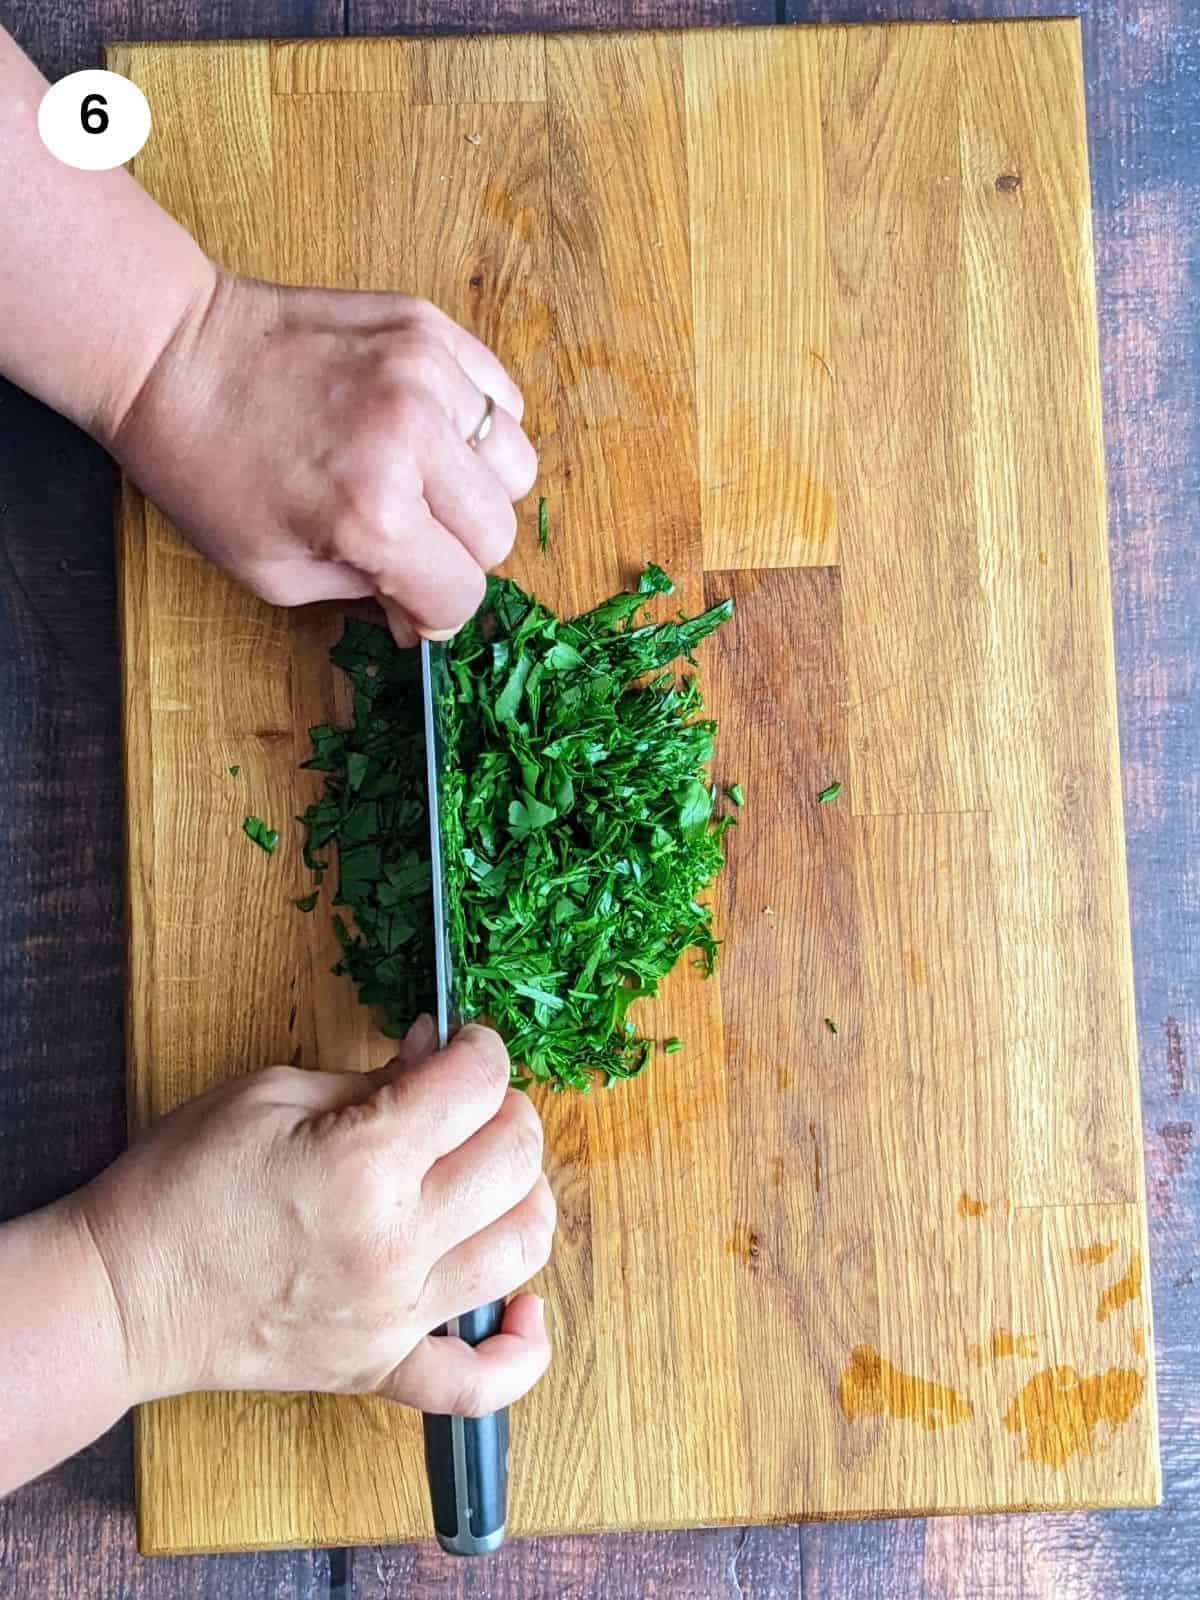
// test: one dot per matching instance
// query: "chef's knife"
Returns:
(466, 1458)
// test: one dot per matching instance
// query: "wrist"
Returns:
(174, 316)
(114, 1257)
(99, 1306)
(194, 386)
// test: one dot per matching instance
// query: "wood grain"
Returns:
(763, 406)
(888, 1164)
(898, 350)
(623, 315)
(795, 1089)
(61, 974)
(1142, 83)
(456, 72)
(1049, 698)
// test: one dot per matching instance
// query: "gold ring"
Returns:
(480, 433)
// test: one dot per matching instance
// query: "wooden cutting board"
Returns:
(806, 315)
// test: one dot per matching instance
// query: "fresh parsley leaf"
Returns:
(737, 794)
(543, 525)
(307, 902)
(357, 766)
(233, 771)
(528, 813)
(695, 809)
(672, 1047)
(831, 1024)
(826, 795)
(266, 838)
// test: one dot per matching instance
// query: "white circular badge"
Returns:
(94, 120)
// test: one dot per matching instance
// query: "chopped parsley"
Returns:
(826, 795)
(577, 822)
(266, 838)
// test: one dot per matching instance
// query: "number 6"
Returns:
(93, 115)
(93, 120)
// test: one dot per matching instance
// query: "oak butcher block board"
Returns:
(806, 315)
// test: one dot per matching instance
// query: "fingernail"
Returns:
(418, 1041)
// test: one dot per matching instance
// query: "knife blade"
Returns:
(466, 1458)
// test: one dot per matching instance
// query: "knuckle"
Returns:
(274, 588)
(502, 535)
(548, 1206)
(336, 542)
(469, 593)
(410, 408)
(528, 1138)
(478, 592)
(422, 312)
(271, 1082)
(535, 1239)
(527, 471)
(419, 359)
(482, 1061)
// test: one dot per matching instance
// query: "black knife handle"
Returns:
(466, 1460)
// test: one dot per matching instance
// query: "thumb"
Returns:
(444, 1376)
(320, 1092)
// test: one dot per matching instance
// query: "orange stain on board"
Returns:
(1091, 1255)
(1123, 1291)
(1139, 1341)
(871, 1387)
(1002, 1345)
(1058, 1411)
(968, 1206)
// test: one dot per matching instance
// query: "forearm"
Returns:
(94, 277)
(64, 1375)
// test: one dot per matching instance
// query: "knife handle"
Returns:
(466, 1460)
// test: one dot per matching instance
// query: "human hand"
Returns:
(313, 443)
(305, 1230)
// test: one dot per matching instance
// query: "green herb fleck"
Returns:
(672, 1047)
(831, 1024)
(737, 794)
(543, 525)
(233, 771)
(307, 902)
(831, 793)
(266, 838)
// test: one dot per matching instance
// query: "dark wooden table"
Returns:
(70, 1535)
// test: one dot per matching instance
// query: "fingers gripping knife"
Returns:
(466, 1458)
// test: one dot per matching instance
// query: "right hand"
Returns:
(306, 1230)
